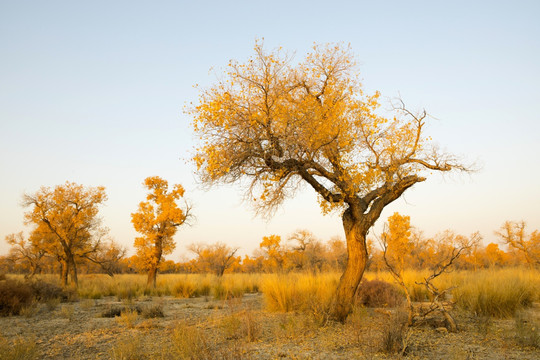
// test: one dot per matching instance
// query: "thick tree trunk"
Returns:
(64, 272)
(73, 269)
(152, 275)
(355, 234)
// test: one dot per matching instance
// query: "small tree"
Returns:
(277, 125)
(157, 221)
(215, 258)
(515, 236)
(66, 223)
(27, 252)
(397, 247)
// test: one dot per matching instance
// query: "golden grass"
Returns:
(484, 292)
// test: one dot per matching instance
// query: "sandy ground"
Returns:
(241, 329)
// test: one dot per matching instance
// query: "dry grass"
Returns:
(18, 349)
(497, 293)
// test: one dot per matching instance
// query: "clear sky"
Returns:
(93, 91)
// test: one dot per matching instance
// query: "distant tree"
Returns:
(273, 253)
(308, 253)
(397, 248)
(25, 251)
(215, 258)
(66, 219)
(515, 236)
(273, 125)
(157, 220)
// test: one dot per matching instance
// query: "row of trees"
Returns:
(67, 233)
(400, 246)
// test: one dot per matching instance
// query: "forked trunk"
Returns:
(355, 234)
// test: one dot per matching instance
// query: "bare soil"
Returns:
(241, 328)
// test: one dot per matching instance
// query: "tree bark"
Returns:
(64, 270)
(73, 269)
(152, 275)
(355, 234)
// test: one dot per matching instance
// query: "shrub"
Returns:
(127, 318)
(14, 296)
(184, 289)
(378, 293)
(152, 311)
(242, 325)
(19, 349)
(44, 291)
(188, 342)
(395, 334)
(128, 348)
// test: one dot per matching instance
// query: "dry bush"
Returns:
(184, 289)
(378, 293)
(242, 325)
(396, 333)
(128, 348)
(14, 296)
(188, 342)
(44, 291)
(18, 349)
(152, 311)
(127, 318)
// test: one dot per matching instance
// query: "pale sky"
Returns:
(93, 92)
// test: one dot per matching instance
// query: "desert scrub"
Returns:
(496, 293)
(241, 325)
(18, 349)
(14, 296)
(188, 342)
(128, 348)
(378, 293)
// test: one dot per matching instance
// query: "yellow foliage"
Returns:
(157, 220)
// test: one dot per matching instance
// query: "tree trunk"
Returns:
(355, 234)
(152, 275)
(64, 270)
(73, 269)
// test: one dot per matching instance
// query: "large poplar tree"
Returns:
(274, 125)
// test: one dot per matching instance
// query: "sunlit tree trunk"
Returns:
(153, 270)
(355, 233)
(152, 276)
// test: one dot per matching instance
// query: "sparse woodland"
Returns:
(67, 290)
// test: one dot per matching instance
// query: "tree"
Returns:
(272, 252)
(66, 219)
(215, 258)
(397, 247)
(157, 221)
(274, 125)
(514, 235)
(26, 251)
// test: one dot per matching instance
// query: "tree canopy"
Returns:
(157, 220)
(66, 223)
